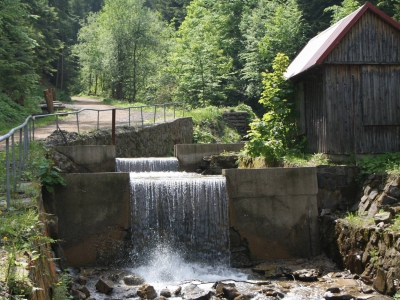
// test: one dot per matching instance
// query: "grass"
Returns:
(396, 223)
(381, 163)
(358, 220)
(305, 160)
(22, 230)
(292, 160)
(209, 127)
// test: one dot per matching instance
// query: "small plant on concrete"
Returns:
(61, 287)
(39, 166)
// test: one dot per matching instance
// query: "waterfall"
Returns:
(185, 211)
(146, 164)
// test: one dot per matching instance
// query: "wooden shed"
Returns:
(348, 85)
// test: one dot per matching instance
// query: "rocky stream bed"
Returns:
(290, 279)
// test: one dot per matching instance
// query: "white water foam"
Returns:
(146, 164)
(166, 266)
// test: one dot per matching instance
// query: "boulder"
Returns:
(86, 291)
(104, 286)
(133, 279)
(76, 294)
(177, 292)
(230, 292)
(165, 293)
(384, 217)
(305, 274)
(147, 291)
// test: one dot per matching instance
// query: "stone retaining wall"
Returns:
(151, 141)
(337, 187)
(369, 251)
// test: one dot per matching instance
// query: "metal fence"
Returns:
(18, 139)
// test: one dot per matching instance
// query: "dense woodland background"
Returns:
(203, 52)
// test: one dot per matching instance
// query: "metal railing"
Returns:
(130, 119)
(14, 168)
(15, 162)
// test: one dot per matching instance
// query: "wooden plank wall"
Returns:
(314, 113)
(334, 104)
(371, 40)
(380, 94)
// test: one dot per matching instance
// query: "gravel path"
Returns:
(89, 120)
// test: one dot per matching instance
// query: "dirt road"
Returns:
(89, 120)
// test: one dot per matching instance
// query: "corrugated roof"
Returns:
(320, 46)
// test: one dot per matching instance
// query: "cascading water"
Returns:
(180, 227)
(187, 212)
(151, 164)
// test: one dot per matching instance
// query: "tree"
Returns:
(17, 52)
(268, 28)
(171, 10)
(126, 35)
(273, 136)
(204, 54)
(315, 15)
(390, 7)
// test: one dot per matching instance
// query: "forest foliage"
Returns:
(202, 52)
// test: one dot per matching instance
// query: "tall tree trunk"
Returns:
(90, 82)
(95, 84)
(62, 70)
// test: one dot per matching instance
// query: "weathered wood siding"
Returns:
(315, 120)
(380, 94)
(335, 103)
(371, 40)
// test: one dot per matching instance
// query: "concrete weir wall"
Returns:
(190, 155)
(93, 212)
(275, 211)
(90, 159)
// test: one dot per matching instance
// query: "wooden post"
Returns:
(113, 127)
(48, 95)
(54, 94)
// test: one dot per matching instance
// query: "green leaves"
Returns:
(273, 136)
(48, 173)
(119, 48)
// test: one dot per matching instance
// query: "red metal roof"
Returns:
(320, 46)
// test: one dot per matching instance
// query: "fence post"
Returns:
(8, 172)
(98, 119)
(113, 126)
(155, 113)
(33, 128)
(129, 112)
(77, 121)
(13, 163)
(48, 95)
(164, 113)
(141, 113)
(20, 163)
